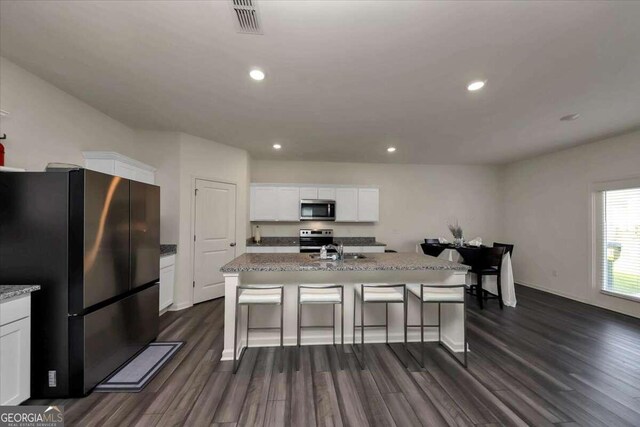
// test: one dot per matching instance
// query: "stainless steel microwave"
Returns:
(317, 210)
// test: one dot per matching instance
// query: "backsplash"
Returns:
(293, 228)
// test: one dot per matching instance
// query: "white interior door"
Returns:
(214, 240)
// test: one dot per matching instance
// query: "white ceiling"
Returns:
(346, 79)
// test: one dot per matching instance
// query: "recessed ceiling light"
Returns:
(477, 85)
(570, 117)
(391, 149)
(256, 74)
(277, 146)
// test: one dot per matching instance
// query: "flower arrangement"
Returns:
(456, 230)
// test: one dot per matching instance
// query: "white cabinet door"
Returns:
(167, 280)
(261, 249)
(373, 249)
(15, 372)
(124, 170)
(101, 165)
(264, 204)
(287, 249)
(352, 249)
(368, 204)
(326, 193)
(145, 176)
(288, 204)
(309, 193)
(346, 204)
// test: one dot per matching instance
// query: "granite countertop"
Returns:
(10, 291)
(358, 241)
(166, 250)
(294, 241)
(371, 262)
(275, 241)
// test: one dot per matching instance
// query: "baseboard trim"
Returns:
(180, 306)
(372, 337)
(573, 298)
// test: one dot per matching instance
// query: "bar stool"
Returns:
(377, 293)
(437, 294)
(259, 295)
(321, 294)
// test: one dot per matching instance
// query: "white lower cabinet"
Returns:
(363, 249)
(167, 280)
(273, 249)
(15, 350)
(296, 249)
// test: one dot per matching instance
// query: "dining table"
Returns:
(489, 283)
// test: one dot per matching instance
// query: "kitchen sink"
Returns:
(347, 257)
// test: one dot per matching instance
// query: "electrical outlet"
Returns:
(53, 380)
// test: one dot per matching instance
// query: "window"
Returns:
(619, 241)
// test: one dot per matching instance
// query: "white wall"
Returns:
(416, 201)
(46, 124)
(547, 216)
(201, 158)
(162, 150)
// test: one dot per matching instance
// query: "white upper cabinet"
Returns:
(347, 204)
(116, 164)
(368, 204)
(326, 193)
(288, 204)
(264, 204)
(313, 193)
(308, 193)
(275, 202)
(271, 203)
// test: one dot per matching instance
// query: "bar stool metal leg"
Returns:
(235, 335)
(333, 324)
(237, 359)
(335, 297)
(422, 325)
(362, 324)
(281, 328)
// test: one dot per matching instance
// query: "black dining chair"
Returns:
(431, 249)
(508, 247)
(484, 262)
(432, 241)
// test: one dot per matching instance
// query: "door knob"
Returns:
(232, 244)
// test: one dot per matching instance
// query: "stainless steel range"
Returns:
(312, 240)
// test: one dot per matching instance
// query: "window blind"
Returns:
(620, 251)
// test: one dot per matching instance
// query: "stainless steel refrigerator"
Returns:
(92, 241)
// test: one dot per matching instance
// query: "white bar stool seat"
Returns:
(317, 294)
(380, 293)
(260, 296)
(436, 295)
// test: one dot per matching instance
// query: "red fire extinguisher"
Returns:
(1, 154)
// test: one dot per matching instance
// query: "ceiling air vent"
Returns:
(246, 14)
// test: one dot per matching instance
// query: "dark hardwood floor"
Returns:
(548, 361)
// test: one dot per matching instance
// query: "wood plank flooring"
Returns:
(550, 361)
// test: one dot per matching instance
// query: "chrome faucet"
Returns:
(339, 249)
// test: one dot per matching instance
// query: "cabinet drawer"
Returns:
(168, 260)
(15, 308)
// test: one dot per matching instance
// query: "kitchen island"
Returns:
(292, 269)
